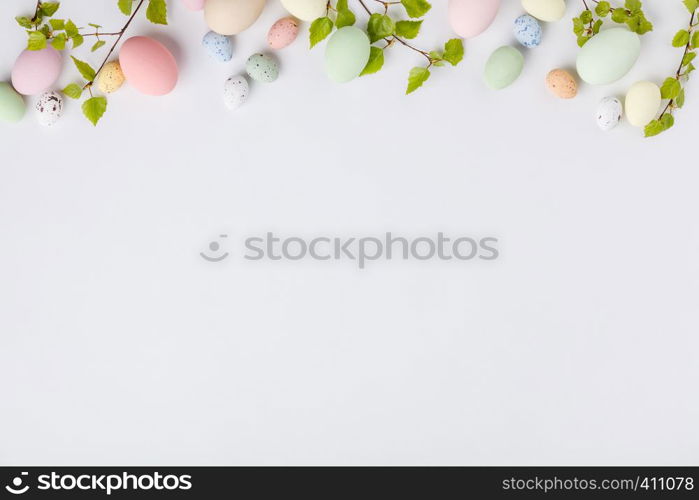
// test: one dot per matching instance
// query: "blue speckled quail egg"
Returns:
(235, 92)
(49, 108)
(262, 68)
(219, 47)
(609, 113)
(527, 31)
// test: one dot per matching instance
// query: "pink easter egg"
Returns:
(36, 70)
(470, 18)
(148, 66)
(194, 4)
(283, 33)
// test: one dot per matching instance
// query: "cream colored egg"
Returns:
(545, 10)
(642, 103)
(230, 17)
(111, 78)
(306, 10)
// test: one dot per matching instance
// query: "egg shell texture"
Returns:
(306, 10)
(36, 70)
(12, 105)
(235, 91)
(609, 113)
(283, 33)
(608, 56)
(545, 10)
(49, 108)
(503, 67)
(346, 54)
(527, 31)
(219, 47)
(470, 18)
(262, 68)
(148, 66)
(562, 84)
(230, 17)
(642, 103)
(194, 4)
(111, 78)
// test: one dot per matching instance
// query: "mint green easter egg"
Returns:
(12, 106)
(503, 67)
(608, 56)
(346, 54)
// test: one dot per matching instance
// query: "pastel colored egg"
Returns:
(262, 68)
(219, 47)
(527, 31)
(111, 78)
(608, 56)
(194, 4)
(562, 84)
(235, 91)
(36, 70)
(609, 113)
(49, 108)
(306, 10)
(148, 66)
(503, 67)
(12, 106)
(545, 10)
(230, 17)
(642, 103)
(283, 33)
(470, 18)
(346, 54)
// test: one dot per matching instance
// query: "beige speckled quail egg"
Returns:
(235, 92)
(111, 78)
(49, 108)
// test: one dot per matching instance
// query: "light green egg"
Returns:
(503, 67)
(262, 68)
(12, 106)
(346, 54)
(608, 56)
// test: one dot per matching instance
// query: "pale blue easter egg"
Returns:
(527, 31)
(219, 47)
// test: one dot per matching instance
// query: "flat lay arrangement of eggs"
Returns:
(148, 66)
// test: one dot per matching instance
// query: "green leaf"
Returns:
(578, 26)
(376, 60)
(59, 41)
(24, 22)
(125, 7)
(345, 17)
(36, 41)
(416, 8)
(96, 26)
(653, 128)
(57, 24)
(681, 38)
(691, 5)
(670, 88)
(454, 51)
(679, 102)
(695, 40)
(74, 91)
(49, 8)
(77, 41)
(71, 28)
(85, 69)
(586, 16)
(408, 29)
(98, 45)
(320, 29)
(667, 121)
(603, 8)
(633, 5)
(688, 58)
(94, 109)
(619, 16)
(157, 11)
(380, 26)
(417, 77)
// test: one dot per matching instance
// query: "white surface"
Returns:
(119, 345)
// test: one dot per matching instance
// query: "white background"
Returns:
(119, 345)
